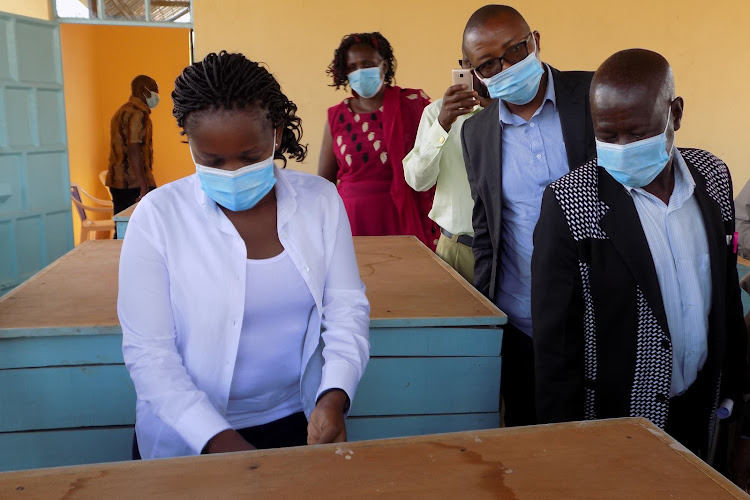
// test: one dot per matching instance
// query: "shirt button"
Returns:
(306, 269)
(442, 140)
(539, 157)
(665, 344)
(531, 124)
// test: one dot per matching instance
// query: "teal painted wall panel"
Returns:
(46, 172)
(33, 132)
(38, 49)
(66, 397)
(29, 243)
(362, 428)
(50, 106)
(5, 72)
(446, 341)
(58, 236)
(418, 386)
(31, 450)
(37, 352)
(8, 269)
(11, 183)
(21, 125)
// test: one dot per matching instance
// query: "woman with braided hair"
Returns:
(228, 277)
(366, 139)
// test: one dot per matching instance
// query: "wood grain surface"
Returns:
(623, 458)
(404, 281)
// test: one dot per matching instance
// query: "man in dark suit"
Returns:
(635, 297)
(536, 130)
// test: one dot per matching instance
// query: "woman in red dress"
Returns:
(366, 138)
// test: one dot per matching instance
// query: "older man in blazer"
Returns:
(635, 296)
(537, 130)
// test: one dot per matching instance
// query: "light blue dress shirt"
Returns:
(533, 156)
(677, 239)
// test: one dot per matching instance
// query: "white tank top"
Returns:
(266, 382)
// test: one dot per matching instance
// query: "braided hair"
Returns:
(337, 68)
(231, 81)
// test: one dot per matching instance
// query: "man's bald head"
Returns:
(632, 98)
(142, 82)
(489, 14)
(635, 70)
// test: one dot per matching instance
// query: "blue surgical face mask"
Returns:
(366, 82)
(240, 189)
(152, 100)
(517, 84)
(636, 164)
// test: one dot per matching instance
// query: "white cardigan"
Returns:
(182, 297)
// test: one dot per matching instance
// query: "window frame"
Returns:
(121, 22)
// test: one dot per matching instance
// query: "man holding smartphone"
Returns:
(436, 160)
(537, 130)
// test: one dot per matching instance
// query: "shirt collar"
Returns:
(139, 104)
(508, 118)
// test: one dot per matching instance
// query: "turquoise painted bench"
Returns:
(68, 399)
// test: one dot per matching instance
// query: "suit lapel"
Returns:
(623, 226)
(571, 107)
(490, 153)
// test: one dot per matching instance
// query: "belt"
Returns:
(464, 239)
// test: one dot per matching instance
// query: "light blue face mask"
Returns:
(517, 84)
(366, 82)
(240, 189)
(636, 164)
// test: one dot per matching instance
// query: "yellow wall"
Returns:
(707, 45)
(98, 64)
(31, 8)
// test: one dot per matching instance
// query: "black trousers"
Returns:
(123, 198)
(283, 433)
(517, 387)
(689, 416)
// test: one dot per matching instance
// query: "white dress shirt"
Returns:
(182, 300)
(437, 158)
(677, 239)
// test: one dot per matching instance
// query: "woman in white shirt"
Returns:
(229, 276)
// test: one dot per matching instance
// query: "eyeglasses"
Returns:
(513, 55)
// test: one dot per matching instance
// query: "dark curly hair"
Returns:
(337, 68)
(231, 81)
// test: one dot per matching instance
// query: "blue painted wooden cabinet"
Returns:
(68, 399)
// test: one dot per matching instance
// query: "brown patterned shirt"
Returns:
(130, 124)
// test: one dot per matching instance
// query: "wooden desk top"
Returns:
(623, 458)
(125, 214)
(406, 284)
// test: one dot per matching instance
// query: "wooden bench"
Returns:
(623, 458)
(68, 399)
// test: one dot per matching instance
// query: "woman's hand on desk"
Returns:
(326, 424)
(227, 441)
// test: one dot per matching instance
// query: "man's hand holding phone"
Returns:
(458, 100)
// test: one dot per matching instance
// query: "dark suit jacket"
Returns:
(601, 340)
(482, 147)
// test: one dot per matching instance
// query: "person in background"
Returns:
(742, 221)
(245, 323)
(366, 139)
(537, 130)
(635, 298)
(131, 155)
(437, 161)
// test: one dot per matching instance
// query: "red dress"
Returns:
(371, 176)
